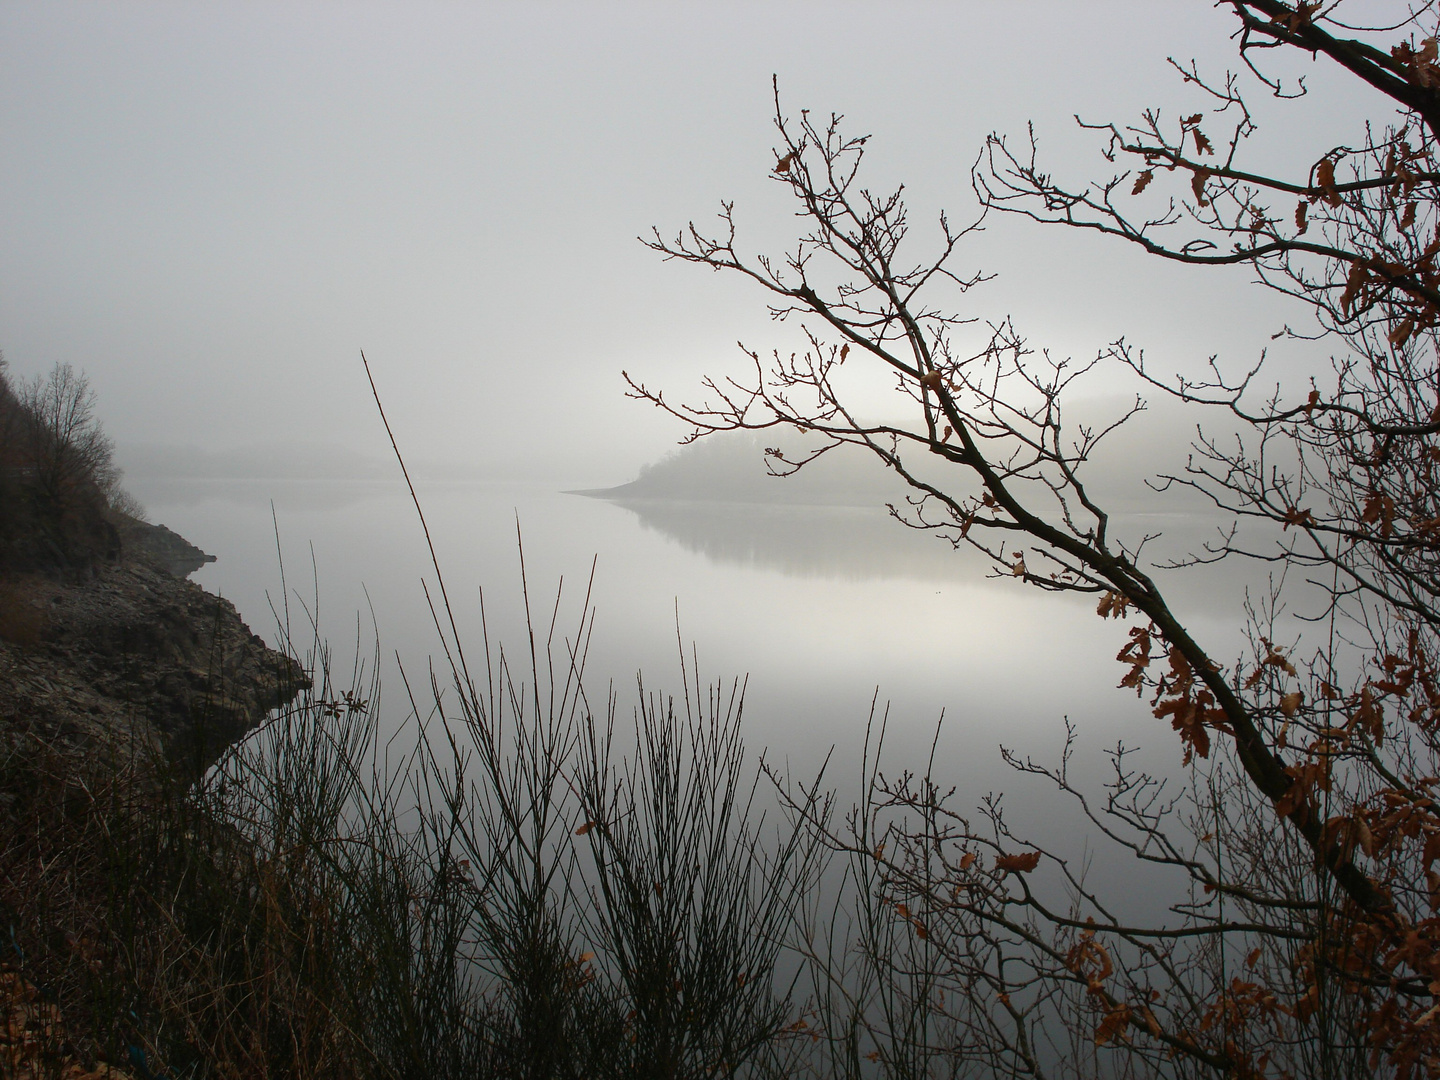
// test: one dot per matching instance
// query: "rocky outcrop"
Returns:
(133, 657)
(157, 547)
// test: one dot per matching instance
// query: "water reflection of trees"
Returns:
(852, 543)
(847, 542)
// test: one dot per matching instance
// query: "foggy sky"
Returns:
(212, 208)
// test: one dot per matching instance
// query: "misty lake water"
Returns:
(821, 607)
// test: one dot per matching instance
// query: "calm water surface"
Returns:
(820, 607)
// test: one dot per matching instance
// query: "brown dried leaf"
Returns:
(1401, 334)
(1136, 653)
(1151, 1024)
(1379, 508)
(1113, 1026)
(1142, 181)
(1112, 605)
(1295, 797)
(1364, 836)
(1431, 851)
(1187, 718)
(1353, 283)
(1019, 864)
(1275, 658)
(1423, 64)
(1297, 517)
(1197, 185)
(1325, 180)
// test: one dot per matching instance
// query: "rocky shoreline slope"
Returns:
(132, 657)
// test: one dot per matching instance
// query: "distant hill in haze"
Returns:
(715, 497)
(731, 467)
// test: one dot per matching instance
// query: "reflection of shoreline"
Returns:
(845, 542)
(854, 544)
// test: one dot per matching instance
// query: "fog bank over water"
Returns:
(212, 208)
(719, 499)
(284, 460)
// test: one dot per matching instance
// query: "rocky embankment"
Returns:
(130, 656)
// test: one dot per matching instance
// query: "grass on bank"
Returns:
(524, 892)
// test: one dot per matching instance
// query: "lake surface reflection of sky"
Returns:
(821, 606)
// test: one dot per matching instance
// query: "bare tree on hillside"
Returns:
(66, 445)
